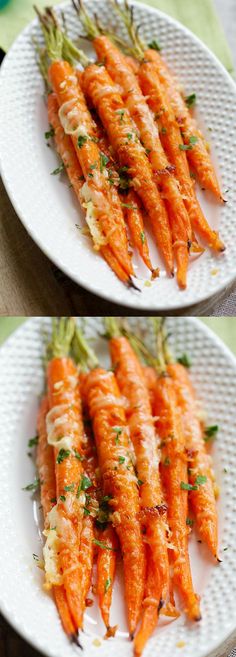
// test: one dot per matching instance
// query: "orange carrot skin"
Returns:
(106, 567)
(171, 139)
(120, 129)
(129, 375)
(150, 377)
(150, 609)
(174, 471)
(64, 402)
(198, 156)
(67, 153)
(66, 86)
(202, 500)
(107, 413)
(46, 469)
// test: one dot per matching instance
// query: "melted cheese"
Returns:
(51, 551)
(67, 115)
(88, 195)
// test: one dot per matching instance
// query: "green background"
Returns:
(224, 327)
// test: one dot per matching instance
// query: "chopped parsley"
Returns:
(70, 487)
(107, 584)
(129, 136)
(167, 461)
(49, 133)
(188, 147)
(63, 454)
(103, 160)
(35, 557)
(53, 500)
(84, 484)
(103, 545)
(163, 131)
(184, 360)
(33, 441)
(118, 431)
(86, 511)
(193, 139)
(140, 482)
(81, 140)
(58, 170)
(210, 432)
(189, 522)
(94, 139)
(191, 100)
(121, 459)
(121, 112)
(62, 498)
(142, 235)
(154, 45)
(200, 479)
(130, 206)
(34, 486)
(147, 151)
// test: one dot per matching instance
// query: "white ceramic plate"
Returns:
(22, 600)
(48, 208)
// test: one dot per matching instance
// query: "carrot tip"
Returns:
(132, 284)
(131, 636)
(75, 639)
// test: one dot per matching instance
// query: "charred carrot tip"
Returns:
(131, 283)
(75, 639)
(131, 636)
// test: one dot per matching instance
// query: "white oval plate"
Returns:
(48, 208)
(22, 599)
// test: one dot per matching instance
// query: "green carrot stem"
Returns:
(82, 352)
(63, 329)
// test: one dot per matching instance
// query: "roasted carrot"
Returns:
(106, 566)
(65, 433)
(46, 470)
(130, 202)
(67, 153)
(120, 129)
(172, 142)
(151, 604)
(202, 498)
(174, 473)
(198, 155)
(110, 430)
(77, 122)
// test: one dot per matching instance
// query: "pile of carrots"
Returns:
(130, 145)
(122, 463)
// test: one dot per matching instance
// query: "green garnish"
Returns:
(147, 151)
(129, 205)
(201, 479)
(84, 484)
(35, 557)
(121, 459)
(53, 500)
(118, 431)
(193, 140)
(143, 237)
(167, 461)
(34, 486)
(49, 133)
(129, 136)
(70, 487)
(210, 432)
(81, 140)
(33, 441)
(62, 498)
(189, 522)
(103, 160)
(63, 454)
(121, 112)
(58, 170)
(103, 545)
(107, 584)
(140, 482)
(154, 45)
(163, 131)
(78, 455)
(186, 486)
(191, 100)
(86, 511)
(184, 360)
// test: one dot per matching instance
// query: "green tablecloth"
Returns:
(224, 327)
(198, 15)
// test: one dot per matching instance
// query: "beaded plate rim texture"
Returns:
(48, 208)
(23, 601)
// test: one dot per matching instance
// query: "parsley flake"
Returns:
(81, 140)
(191, 100)
(84, 484)
(184, 360)
(62, 455)
(154, 45)
(34, 486)
(49, 133)
(103, 545)
(210, 432)
(142, 235)
(33, 441)
(121, 459)
(107, 584)
(189, 522)
(58, 170)
(103, 160)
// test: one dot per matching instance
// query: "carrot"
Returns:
(174, 472)
(46, 470)
(77, 122)
(198, 155)
(67, 153)
(130, 202)
(150, 376)
(119, 127)
(172, 142)
(65, 433)
(110, 430)
(151, 604)
(106, 565)
(202, 498)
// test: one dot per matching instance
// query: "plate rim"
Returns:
(87, 284)
(5, 610)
